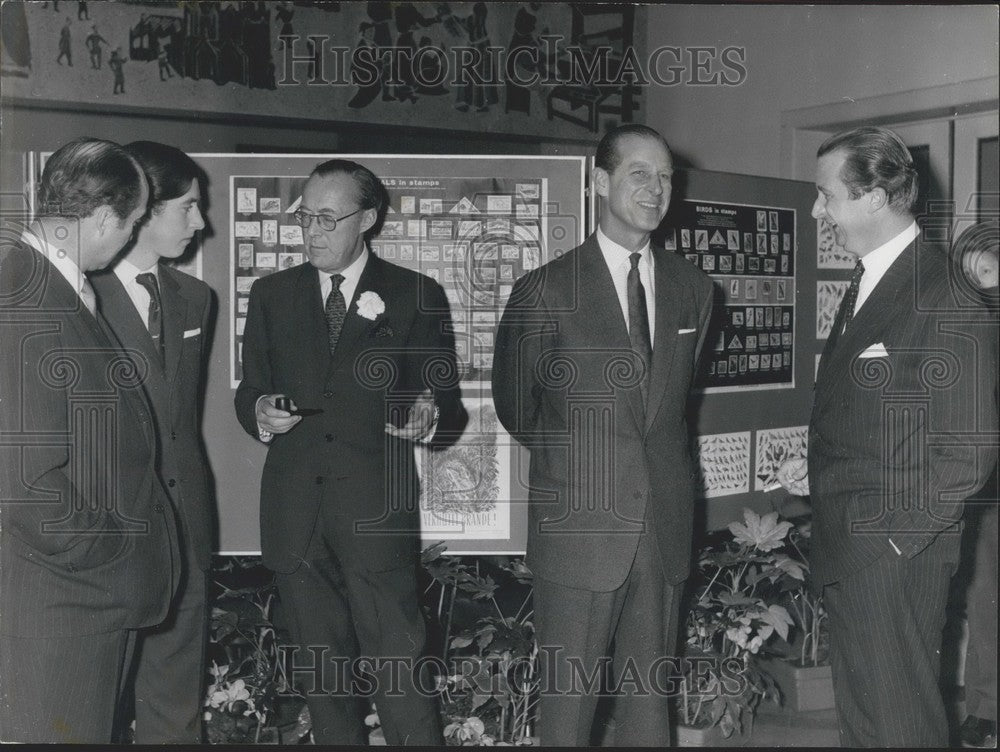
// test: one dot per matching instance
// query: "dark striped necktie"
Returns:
(638, 320)
(336, 310)
(155, 317)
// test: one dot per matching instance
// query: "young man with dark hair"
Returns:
(88, 542)
(162, 317)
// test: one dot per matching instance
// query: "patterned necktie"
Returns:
(155, 319)
(336, 310)
(638, 320)
(851, 298)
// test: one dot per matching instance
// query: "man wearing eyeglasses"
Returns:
(347, 360)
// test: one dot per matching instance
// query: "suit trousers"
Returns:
(616, 642)
(335, 612)
(981, 608)
(886, 625)
(170, 664)
(63, 690)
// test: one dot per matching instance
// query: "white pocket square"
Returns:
(192, 332)
(875, 351)
(686, 331)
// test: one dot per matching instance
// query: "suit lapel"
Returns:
(669, 297)
(123, 318)
(600, 307)
(355, 325)
(174, 316)
(309, 321)
(891, 297)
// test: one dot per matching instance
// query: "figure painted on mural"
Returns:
(284, 14)
(374, 34)
(257, 44)
(94, 41)
(116, 63)
(82, 14)
(65, 45)
(469, 93)
(526, 64)
(408, 19)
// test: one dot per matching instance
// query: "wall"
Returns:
(801, 57)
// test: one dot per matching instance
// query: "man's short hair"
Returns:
(608, 156)
(169, 170)
(89, 173)
(371, 192)
(875, 158)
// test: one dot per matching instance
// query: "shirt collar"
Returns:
(126, 271)
(615, 254)
(878, 261)
(352, 273)
(61, 260)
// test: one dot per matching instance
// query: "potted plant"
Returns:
(802, 669)
(736, 611)
(490, 692)
(249, 700)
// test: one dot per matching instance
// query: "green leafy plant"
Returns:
(736, 611)
(249, 695)
(488, 638)
(807, 607)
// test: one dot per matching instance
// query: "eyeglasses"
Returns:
(326, 221)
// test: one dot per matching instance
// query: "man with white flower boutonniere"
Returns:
(903, 431)
(347, 361)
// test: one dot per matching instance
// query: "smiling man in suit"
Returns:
(162, 315)
(363, 348)
(594, 360)
(88, 544)
(902, 421)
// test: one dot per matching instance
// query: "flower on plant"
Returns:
(763, 533)
(471, 730)
(370, 305)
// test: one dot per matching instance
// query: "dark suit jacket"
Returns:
(174, 389)
(564, 385)
(89, 543)
(343, 457)
(893, 440)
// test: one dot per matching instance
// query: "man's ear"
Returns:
(105, 219)
(601, 180)
(368, 219)
(877, 199)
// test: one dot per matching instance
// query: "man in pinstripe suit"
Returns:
(88, 542)
(903, 415)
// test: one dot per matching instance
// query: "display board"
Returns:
(474, 223)
(757, 241)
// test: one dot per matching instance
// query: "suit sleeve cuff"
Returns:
(262, 433)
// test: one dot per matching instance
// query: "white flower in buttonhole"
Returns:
(370, 305)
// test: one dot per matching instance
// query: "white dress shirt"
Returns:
(877, 263)
(352, 275)
(617, 258)
(126, 271)
(66, 266)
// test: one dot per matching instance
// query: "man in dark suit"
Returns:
(904, 413)
(594, 360)
(363, 347)
(162, 314)
(88, 544)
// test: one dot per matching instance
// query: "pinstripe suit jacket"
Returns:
(563, 386)
(893, 439)
(88, 542)
(175, 390)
